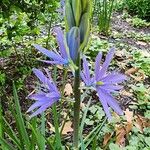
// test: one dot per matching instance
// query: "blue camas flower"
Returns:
(46, 95)
(62, 58)
(104, 83)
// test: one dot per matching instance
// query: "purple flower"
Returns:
(62, 58)
(104, 83)
(46, 95)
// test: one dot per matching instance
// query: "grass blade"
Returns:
(84, 117)
(40, 140)
(7, 145)
(93, 134)
(20, 121)
(11, 134)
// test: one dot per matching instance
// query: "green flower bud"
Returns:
(84, 30)
(69, 16)
(77, 10)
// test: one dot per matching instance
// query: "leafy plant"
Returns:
(140, 8)
(142, 94)
(142, 62)
(103, 12)
(137, 22)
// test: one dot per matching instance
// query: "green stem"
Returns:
(56, 125)
(55, 117)
(64, 80)
(49, 30)
(77, 96)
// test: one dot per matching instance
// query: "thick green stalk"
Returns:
(77, 96)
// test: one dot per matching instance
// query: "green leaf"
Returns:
(77, 10)
(11, 134)
(113, 146)
(20, 121)
(84, 117)
(84, 30)
(147, 141)
(69, 17)
(4, 143)
(39, 138)
(89, 138)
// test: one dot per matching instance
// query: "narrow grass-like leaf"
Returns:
(82, 144)
(84, 117)
(94, 133)
(40, 140)
(8, 146)
(11, 134)
(43, 126)
(51, 147)
(20, 121)
(57, 141)
(94, 143)
(33, 141)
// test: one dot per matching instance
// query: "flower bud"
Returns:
(84, 30)
(69, 16)
(73, 42)
(77, 10)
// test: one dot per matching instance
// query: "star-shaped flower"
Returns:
(46, 95)
(104, 83)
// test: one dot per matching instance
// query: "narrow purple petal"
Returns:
(40, 75)
(53, 62)
(44, 79)
(41, 109)
(50, 54)
(86, 69)
(106, 63)
(104, 103)
(61, 42)
(111, 101)
(110, 87)
(35, 105)
(84, 79)
(53, 95)
(113, 78)
(38, 97)
(97, 65)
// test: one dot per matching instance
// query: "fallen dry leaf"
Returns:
(128, 115)
(142, 123)
(67, 128)
(129, 118)
(107, 137)
(128, 127)
(140, 76)
(131, 71)
(139, 124)
(68, 89)
(120, 136)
